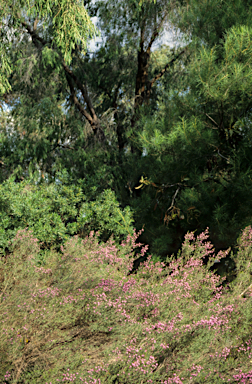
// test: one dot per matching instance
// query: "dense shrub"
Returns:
(55, 212)
(81, 318)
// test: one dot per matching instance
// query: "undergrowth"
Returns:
(79, 316)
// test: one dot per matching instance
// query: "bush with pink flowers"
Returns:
(79, 317)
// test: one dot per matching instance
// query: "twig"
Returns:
(173, 199)
(250, 286)
(222, 156)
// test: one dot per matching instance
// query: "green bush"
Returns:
(54, 212)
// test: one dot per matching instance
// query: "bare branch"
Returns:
(222, 156)
(249, 287)
(212, 119)
(78, 104)
(173, 199)
(35, 24)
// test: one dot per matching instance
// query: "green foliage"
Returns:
(105, 215)
(189, 136)
(55, 212)
(71, 24)
(175, 156)
(204, 156)
(242, 259)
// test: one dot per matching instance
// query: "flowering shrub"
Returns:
(81, 318)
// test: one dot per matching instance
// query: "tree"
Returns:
(145, 20)
(206, 148)
(141, 24)
(170, 118)
(92, 85)
(69, 22)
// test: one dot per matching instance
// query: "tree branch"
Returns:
(155, 33)
(78, 104)
(249, 287)
(35, 37)
(83, 90)
(35, 24)
(165, 69)
(92, 117)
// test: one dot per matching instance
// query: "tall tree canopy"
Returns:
(167, 129)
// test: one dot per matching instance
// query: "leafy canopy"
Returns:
(71, 24)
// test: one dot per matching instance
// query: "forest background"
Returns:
(126, 136)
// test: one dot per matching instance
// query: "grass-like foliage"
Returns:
(81, 317)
